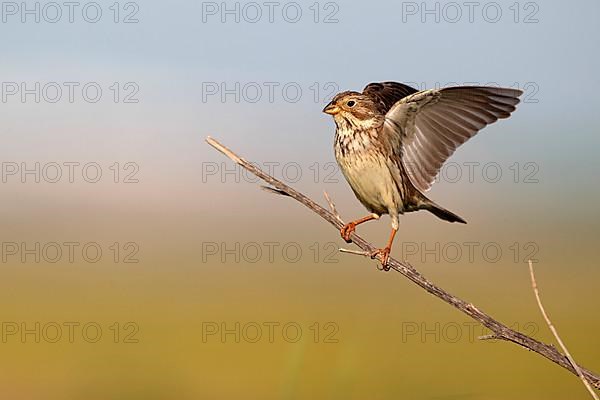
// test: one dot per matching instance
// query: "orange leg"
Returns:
(350, 227)
(385, 252)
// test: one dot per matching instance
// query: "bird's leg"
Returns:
(350, 227)
(385, 252)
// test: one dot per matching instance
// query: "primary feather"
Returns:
(432, 124)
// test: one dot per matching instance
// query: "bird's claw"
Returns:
(384, 255)
(347, 230)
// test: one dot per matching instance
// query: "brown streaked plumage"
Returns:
(391, 141)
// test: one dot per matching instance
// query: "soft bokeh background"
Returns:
(201, 232)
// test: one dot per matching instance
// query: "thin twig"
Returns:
(332, 207)
(500, 330)
(274, 191)
(555, 333)
(488, 337)
(357, 252)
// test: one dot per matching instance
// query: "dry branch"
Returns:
(555, 333)
(499, 330)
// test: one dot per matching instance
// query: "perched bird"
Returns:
(391, 141)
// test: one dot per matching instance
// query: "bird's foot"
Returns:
(347, 230)
(384, 255)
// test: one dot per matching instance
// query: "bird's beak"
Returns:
(331, 109)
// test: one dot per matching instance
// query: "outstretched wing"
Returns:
(386, 94)
(432, 124)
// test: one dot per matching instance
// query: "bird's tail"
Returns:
(441, 212)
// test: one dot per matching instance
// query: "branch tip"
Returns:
(489, 337)
(274, 190)
(356, 252)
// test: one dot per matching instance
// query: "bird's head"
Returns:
(353, 110)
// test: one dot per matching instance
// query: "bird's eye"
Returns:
(351, 103)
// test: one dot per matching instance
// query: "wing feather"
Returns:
(432, 124)
(386, 94)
